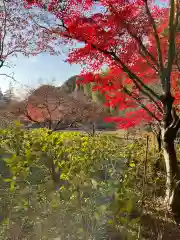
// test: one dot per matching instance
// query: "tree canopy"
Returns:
(128, 37)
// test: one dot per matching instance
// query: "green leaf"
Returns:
(132, 164)
(6, 221)
(8, 180)
(12, 186)
(64, 176)
(110, 222)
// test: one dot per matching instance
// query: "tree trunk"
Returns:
(169, 128)
(172, 171)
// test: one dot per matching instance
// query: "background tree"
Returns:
(128, 37)
(18, 35)
(54, 109)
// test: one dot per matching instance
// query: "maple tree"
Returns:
(138, 40)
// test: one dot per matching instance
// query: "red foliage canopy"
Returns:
(131, 38)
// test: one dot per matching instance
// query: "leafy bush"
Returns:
(68, 184)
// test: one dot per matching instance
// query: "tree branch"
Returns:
(171, 46)
(140, 103)
(2, 40)
(148, 62)
(137, 81)
(140, 43)
(157, 39)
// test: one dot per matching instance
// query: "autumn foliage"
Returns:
(53, 108)
(131, 38)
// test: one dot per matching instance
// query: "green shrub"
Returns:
(69, 184)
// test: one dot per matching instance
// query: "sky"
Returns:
(33, 71)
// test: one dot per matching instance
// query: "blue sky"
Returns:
(29, 71)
